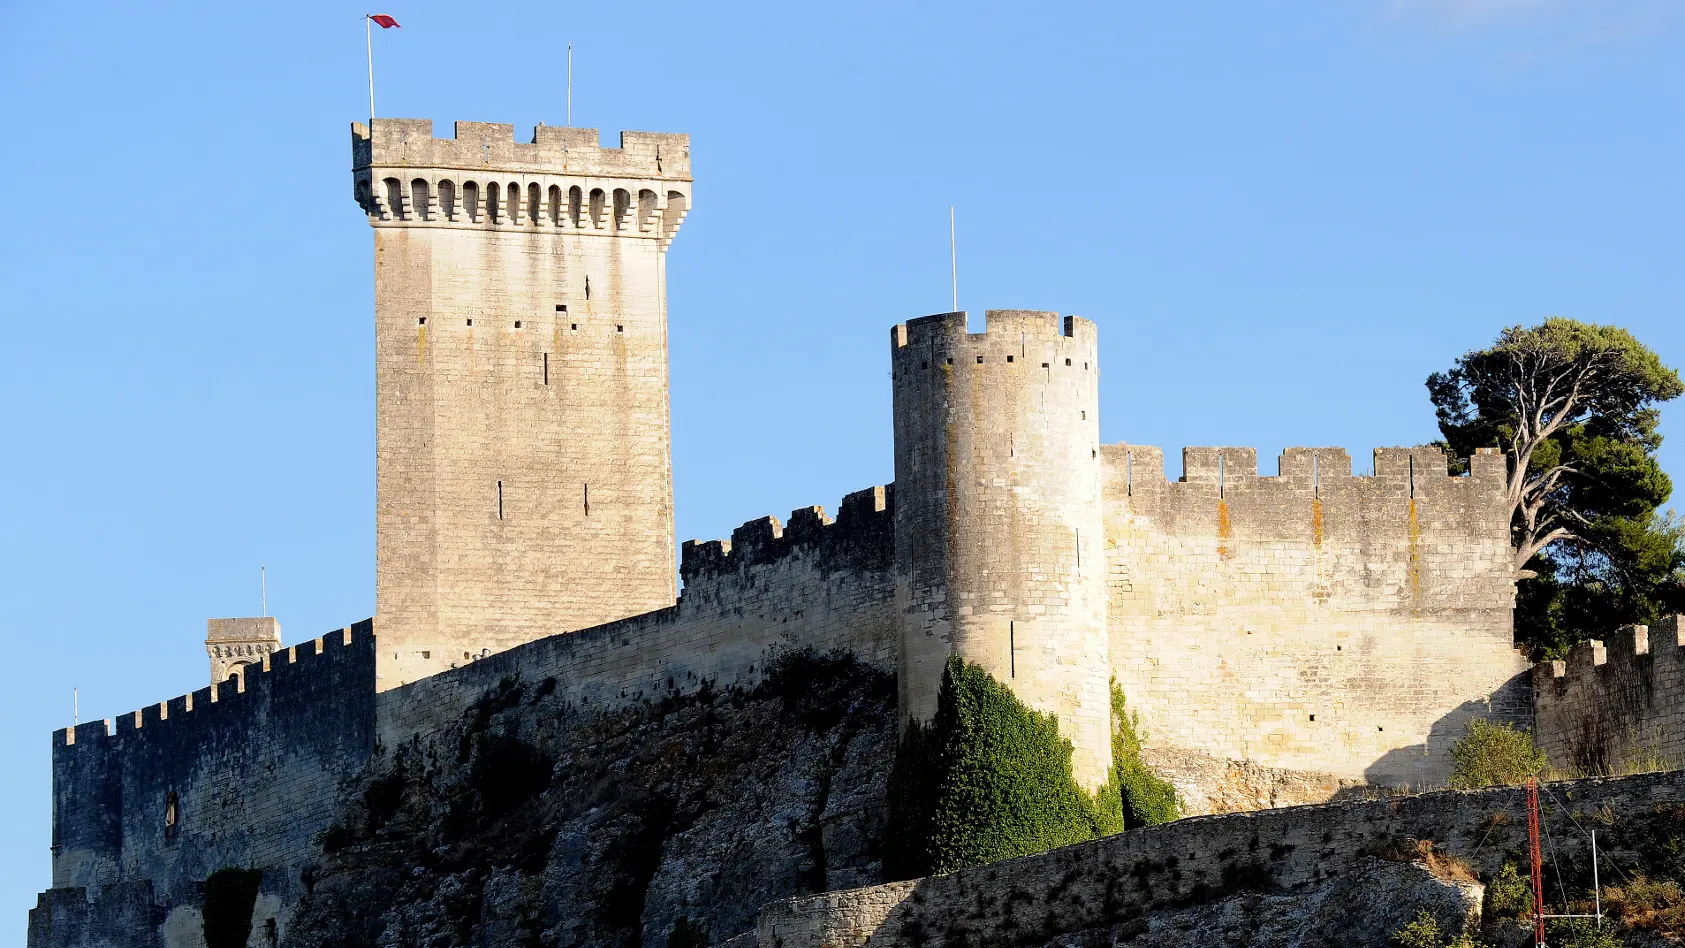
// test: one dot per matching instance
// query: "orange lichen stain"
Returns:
(1415, 552)
(1316, 521)
(1225, 531)
(420, 344)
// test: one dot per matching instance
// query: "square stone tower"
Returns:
(524, 464)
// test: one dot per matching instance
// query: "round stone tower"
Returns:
(999, 533)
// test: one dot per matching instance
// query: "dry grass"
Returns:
(1650, 906)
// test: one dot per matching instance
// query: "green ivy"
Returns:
(230, 895)
(1147, 799)
(989, 778)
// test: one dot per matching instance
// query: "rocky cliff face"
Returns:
(532, 823)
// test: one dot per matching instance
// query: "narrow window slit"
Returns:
(500, 500)
(546, 368)
(587, 498)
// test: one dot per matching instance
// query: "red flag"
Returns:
(386, 22)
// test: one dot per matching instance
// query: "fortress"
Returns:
(1310, 621)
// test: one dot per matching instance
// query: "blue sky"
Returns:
(1283, 215)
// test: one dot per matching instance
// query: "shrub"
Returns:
(1424, 933)
(1508, 895)
(1493, 755)
(989, 778)
(687, 934)
(1147, 800)
(1581, 933)
(230, 895)
(1421, 933)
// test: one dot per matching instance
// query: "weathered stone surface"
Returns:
(1363, 907)
(1207, 785)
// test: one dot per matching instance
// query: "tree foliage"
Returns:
(1494, 755)
(987, 779)
(1575, 408)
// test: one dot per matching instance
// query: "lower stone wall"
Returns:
(1033, 899)
(121, 915)
(1615, 705)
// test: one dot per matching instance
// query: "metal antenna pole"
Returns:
(953, 259)
(263, 580)
(1538, 866)
(75, 706)
(570, 85)
(368, 41)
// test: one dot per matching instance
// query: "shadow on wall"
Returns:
(1427, 766)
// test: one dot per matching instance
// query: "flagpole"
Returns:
(368, 40)
(953, 259)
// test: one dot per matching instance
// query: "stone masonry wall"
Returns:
(773, 588)
(1615, 704)
(225, 776)
(1033, 899)
(523, 459)
(1313, 620)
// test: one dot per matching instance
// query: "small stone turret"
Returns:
(999, 525)
(232, 644)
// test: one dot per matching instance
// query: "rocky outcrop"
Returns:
(532, 823)
(1207, 785)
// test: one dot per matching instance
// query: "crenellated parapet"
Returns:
(562, 180)
(229, 697)
(1031, 340)
(861, 536)
(1615, 703)
(1417, 471)
(1409, 535)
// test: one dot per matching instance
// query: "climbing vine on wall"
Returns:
(1148, 800)
(987, 779)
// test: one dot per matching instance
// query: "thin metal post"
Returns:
(953, 259)
(368, 41)
(570, 85)
(263, 581)
(1596, 890)
(75, 706)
